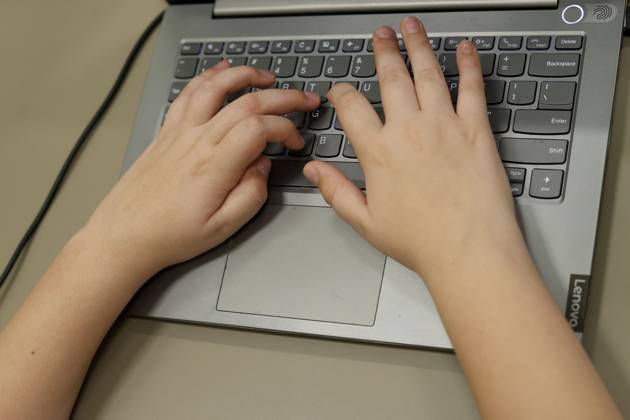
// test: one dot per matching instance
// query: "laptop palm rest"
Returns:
(303, 263)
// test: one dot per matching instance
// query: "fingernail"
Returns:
(411, 24)
(221, 64)
(269, 74)
(466, 46)
(311, 174)
(313, 96)
(264, 166)
(385, 32)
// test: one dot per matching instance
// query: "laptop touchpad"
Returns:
(303, 263)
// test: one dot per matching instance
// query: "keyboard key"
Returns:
(263, 63)
(235, 47)
(370, 45)
(510, 42)
(521, 93)
(556, 95)
(517, 189)
(453, 89)
(310, 66)
(380, 112)
(284, 66)
(297, 118)
(554, 65)
(568, 42)
(448, 64)
(538, 42)
(176, 89)
(288, 173)
(546, 183)
(320, 88)
(483, 42)
(321, 118)
(208, 62)
(337, 124)
(236, 61)
(494, 91)
(190, 48)
(516, 175)
(280, 47)
(213, 48)
(348, 150)
(363, 66)
(258, 47)
(290, 84)
(371, 91)
(401, 45)
(487, 63)
(304, 46)
(186, 68)
(532, 121)
(274, 149)
(328, 145)
(307, 150)
(534, 151)
(451, 42)
(352, 45)
(435, 42)
(499, 120)
(511, 65)
(164, 115)
(235, 95)
(337, 66)
(328, 45)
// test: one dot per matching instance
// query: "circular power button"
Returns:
(573, 14)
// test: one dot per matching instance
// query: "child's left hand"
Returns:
(203, 177)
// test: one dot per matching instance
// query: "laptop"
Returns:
(550, 68)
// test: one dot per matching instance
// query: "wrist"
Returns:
(112, 254)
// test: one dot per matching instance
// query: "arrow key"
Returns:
(546, 183)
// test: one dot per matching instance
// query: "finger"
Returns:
(358, 118)
(429, 80)
(242, 203)
(270, 101)
(247, 140)
(340, 193)
(397, 90)
(471, 98)
(209, 92)
(176, 110)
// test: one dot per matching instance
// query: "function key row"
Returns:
(534, 42)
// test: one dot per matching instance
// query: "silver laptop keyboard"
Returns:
(531, 89)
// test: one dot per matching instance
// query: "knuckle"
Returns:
(255, 124)
(346, 97)
(429, 73)
(249, 103)
(392, 75)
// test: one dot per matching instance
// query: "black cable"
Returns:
(102, 110)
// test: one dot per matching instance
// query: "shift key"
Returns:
(533, 121)
(535, 151)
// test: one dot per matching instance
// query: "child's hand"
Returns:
(436, 189)
(203, 177)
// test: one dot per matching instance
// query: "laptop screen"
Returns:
(286, 7)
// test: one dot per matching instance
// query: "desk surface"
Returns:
(56, 69)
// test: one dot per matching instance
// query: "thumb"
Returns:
(348, 201)
(243, 201)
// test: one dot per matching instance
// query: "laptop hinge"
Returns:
(226, 8)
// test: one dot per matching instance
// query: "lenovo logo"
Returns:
(576, 301)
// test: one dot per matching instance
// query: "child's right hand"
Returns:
(436, 190)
